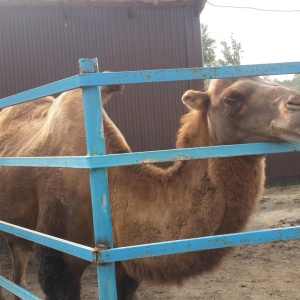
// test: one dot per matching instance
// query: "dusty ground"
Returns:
(260, 272)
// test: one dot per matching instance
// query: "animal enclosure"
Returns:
(104, 255)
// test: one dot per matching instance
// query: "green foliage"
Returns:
(231, 51)
(292, 83)
(209, 46)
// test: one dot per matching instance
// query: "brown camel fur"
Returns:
(149, 204)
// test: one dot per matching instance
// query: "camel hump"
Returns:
(26, 111)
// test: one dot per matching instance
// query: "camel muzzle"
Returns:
(293, 106)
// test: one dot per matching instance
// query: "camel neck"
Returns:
(217, 178)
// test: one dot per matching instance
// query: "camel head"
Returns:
(248, 110)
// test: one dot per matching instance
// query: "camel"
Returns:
(149, 204)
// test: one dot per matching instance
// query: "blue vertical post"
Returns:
(98, 180)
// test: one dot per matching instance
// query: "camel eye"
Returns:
(234, 98)
(230, 101)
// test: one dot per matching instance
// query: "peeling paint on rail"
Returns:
(199, 244)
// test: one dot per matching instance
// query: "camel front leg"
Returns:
(19, 261)
(126, 286)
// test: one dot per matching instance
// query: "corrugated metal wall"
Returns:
(39, 46)
(283, 169)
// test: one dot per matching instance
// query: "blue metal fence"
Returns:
(97, 162)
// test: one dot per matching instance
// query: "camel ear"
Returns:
(108, 90)
(196, 100)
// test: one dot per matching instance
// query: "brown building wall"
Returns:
(283, 169)
(42, 45)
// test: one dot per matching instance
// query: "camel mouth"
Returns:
(286, 134)
(293, 105)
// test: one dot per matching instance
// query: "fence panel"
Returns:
(97, 162)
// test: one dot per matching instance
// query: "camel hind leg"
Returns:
(56, 279)
(19, 261)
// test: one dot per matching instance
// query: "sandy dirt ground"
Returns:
(260, 272)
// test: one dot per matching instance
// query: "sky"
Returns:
(266, 37)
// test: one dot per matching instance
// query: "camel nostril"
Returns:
(293, 104)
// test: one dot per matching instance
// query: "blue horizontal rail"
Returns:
(150, 76)
(167, 75)
(43, 91)
(198, 244)
(81, 251)
(17, 290)
(155, 249)
(115, 160)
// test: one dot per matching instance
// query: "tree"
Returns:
(292, 83)
(231, 51)
(209, 46)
